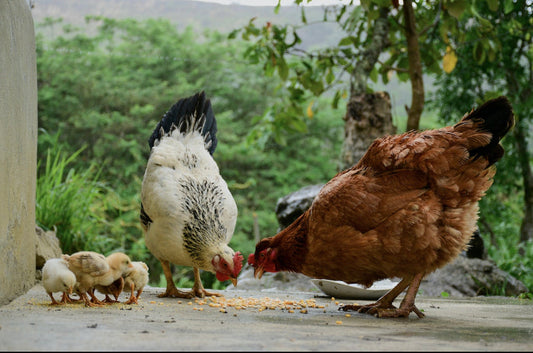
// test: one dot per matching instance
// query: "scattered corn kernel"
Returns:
(338, 322)
(348, 315)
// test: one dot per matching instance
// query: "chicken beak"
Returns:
(258, 272)
(234, 281)
(69, 290)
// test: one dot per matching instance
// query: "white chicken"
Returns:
(92, 269)
(58, 278)
(187, 211)
(136, 279)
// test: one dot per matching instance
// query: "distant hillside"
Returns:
(200, 15)
(211, 16)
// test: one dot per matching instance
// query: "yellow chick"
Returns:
(58, 278)
(136, 278)
(92, 269)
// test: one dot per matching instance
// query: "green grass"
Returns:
(65, 200)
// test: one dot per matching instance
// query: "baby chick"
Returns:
(113, 289)
(58, 278)
(93, 269)
(136, 278)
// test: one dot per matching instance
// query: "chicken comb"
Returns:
(251, 260)
(237, 262)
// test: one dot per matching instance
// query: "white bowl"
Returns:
(343, 290)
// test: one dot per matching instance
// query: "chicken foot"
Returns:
(54, 302)
(108, 300)
(408, 303)
(67, 299)
(171, 290)
(383, 306)
(134, 298)
(88, 302)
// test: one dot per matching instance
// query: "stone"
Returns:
(469, 277)
(46, 247)
(291, 206)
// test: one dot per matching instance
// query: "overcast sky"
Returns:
(275, 2)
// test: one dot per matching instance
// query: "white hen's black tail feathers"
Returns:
(496, 117)
(189, 114)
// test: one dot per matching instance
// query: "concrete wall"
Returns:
(18, 149)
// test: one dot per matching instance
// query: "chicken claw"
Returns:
(174, 292)
(383, 306)
(66, 299)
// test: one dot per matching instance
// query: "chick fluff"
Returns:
(136, 278)
(58, 278)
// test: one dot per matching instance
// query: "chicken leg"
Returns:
(88, 302)
(54, 302)
(383, 306)
(171, 290)
(67, 299)
(198, 288)
(134, 298)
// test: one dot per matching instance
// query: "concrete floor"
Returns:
(480, 323)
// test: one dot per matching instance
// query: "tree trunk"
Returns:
(526, 228)
(368, 116)
(523, 95)
(415, 68)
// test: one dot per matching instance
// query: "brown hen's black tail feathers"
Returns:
(496, 117)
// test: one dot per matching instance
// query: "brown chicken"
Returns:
(407, 208)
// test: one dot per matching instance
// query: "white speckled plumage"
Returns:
(188, 214)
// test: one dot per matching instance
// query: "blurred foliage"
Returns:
(104, 93)
(334, 69)
(101, 93)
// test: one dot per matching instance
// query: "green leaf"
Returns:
(374, 75)
(233, 34)
(304, 19)
(345, 41)
(479, 53)
(283, 69)
(330, 77)
(493, 5)
(508, 6)
(456, 8)
(444, 294)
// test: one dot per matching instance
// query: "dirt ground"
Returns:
(257, 321)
